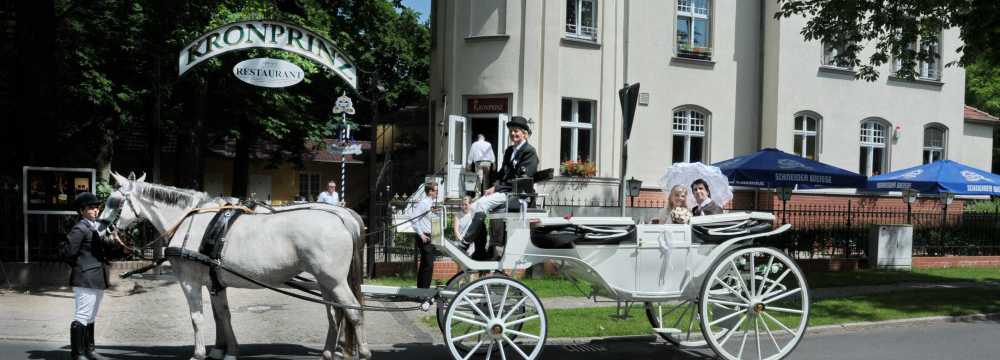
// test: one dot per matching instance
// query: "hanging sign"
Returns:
(270, 73)
(268, 34)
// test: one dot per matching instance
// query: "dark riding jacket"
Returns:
(83, 254)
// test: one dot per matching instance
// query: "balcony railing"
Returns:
(581, 32)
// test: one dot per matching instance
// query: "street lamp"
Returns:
(784, 193)
(909, 196)
(634, 187)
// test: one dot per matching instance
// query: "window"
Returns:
(874, 158)
(309, 185)
(487, 18)
(689, 135)
(929, 69)
(576, 140)
(934, 141)
(805, 133)
(581, 19)
(694, 29)
(830, 53)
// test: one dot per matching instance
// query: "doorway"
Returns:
(487, 126)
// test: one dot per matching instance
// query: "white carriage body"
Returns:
(660, 262)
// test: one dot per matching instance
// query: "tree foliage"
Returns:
(116, 69)
(888, 28)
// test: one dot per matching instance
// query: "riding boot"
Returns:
(90, 350)
(77, 341)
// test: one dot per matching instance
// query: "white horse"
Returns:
(322, 240)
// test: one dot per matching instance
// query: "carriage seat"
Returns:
(719, 228)
(560, 233)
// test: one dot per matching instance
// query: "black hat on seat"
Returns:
(519, 122)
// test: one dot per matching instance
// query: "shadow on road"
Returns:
(597, 349)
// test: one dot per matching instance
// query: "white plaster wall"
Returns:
(844, 102)
(977, 146)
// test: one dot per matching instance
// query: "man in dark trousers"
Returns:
(703, 196)
(83, 250)
(519, 160)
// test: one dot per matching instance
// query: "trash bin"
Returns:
(890, 246)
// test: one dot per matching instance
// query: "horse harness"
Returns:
(215, 239)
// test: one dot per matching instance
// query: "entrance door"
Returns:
(502, 139)
(458, 147)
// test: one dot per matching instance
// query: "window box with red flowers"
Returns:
(577, 168)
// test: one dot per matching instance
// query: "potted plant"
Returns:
(577, 168)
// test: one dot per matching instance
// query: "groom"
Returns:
(703, 196)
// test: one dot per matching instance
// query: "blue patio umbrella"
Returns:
(773, 168)
(938, 177)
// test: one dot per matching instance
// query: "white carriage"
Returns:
(702, 284)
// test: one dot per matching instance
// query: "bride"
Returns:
(675, 210)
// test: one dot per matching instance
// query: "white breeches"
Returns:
(86, 301)
(489, 202)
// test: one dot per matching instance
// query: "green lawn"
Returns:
(879, 277)
(595, 322)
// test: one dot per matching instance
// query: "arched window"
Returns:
(806, 135)
(689, 135)
(934, 143)
(874, 159)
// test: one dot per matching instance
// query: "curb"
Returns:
(837, 328)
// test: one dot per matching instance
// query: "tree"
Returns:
(890, 27)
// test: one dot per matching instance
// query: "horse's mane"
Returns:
(169, 195)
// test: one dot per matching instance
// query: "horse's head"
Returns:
(119, 210)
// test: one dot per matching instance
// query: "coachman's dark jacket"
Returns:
(524, 164)
(83, 252)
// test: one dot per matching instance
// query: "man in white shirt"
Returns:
(422, 226)
(481, 158)
(330, 196)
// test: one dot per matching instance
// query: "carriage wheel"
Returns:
(677, 323)
(757, 294)
(456, 282)
(498, 314)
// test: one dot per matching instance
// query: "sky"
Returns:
(421, 6)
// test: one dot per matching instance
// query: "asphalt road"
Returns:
(966, 340)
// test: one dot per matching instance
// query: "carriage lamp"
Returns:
(469, 181)
(634, 188)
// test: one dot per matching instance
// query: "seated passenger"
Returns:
(469, 228)
(675, 211)
(703, 196)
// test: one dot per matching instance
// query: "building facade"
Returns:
(719, 78)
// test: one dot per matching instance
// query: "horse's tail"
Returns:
(354, 276)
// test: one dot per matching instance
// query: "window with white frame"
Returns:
(576, 140)
(309, 185)
(874, 143)
(581, 19)
(806, 137)
(689, 135)
(934, 143)
(931, 68)
(694, 34)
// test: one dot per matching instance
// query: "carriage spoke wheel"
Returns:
(677, 323)
(456, 282)
(495, 317)
(755, 305)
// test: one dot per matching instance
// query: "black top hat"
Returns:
(519, 122)
(86, 199)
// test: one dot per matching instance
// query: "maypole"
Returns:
(343, 106)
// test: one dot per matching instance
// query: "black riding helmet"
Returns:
(85, 199)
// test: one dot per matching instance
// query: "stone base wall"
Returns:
(927, 262)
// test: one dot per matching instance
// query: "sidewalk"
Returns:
(143, 311)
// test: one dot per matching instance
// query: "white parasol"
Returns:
(686, 173)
